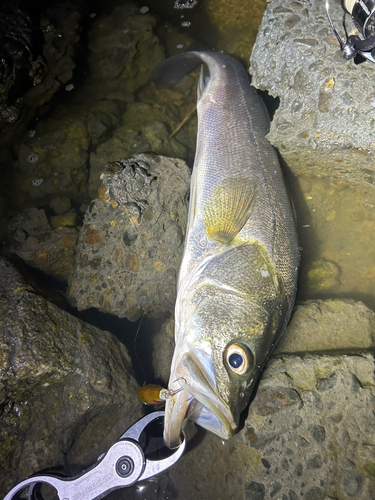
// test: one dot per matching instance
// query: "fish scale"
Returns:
(238, 274)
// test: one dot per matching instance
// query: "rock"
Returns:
(149, 135)
(47, 249)
(237, 24)
(20, 49)
(308, 434)
(322, 277)
(328, 326)
(60, 204)
(38, 57)
(56, 161)
(162, 351)
(69, 219)
(123, 53)
(130, 245)
(59, 377)
(311, 422)
(323, 125)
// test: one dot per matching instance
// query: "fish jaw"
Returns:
(198, 401)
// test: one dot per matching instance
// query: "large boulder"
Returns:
(60, 379)
(130, 245)
(324, 124)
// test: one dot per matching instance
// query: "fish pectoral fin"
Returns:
(228, 208)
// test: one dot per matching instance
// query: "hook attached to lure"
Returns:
(152, 394)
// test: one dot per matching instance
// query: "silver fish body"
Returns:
(238, 274)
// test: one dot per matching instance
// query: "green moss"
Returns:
(369, 469)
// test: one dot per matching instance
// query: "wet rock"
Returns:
(130, 245)
(329, 326)
(123, 53)
(148, 136)
(20, 42)
(162, 351)
(58, 158)
(237, 24)
(59, 378)
(50, 250)
(39, 51)
(60, 204)
(322, 277)
(322, 125)
(69, 219)
(307, 446)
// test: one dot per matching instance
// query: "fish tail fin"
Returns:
(172, 70)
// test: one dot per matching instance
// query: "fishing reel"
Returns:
(363, 17)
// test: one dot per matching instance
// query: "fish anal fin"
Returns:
(228, 208)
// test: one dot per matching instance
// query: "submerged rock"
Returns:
(59, 377)
(322, 277)
(130, 245)
(55, 161)
(237, 24)
(141, 133)
(60, 204)
(38, 52)
(324, 124)
(50, 249)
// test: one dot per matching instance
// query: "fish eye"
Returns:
(239, 358)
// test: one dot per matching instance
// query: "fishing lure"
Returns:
(152, 394)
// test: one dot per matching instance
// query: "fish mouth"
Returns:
(198, 400)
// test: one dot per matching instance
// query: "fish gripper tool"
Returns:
(122, 465)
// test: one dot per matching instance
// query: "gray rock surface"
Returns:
(50, 249)
(59, 377)
(143, 130)
(130, 245)
(327, 326)
(310, 430)
(308, 433)
(324, 124)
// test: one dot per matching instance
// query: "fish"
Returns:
(238, 276)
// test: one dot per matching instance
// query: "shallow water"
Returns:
(335, 221)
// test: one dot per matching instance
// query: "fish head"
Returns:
(227, 339)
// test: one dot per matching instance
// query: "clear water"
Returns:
(335, 222)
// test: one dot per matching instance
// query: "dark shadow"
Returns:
(272, 103)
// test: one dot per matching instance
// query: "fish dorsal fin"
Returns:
(228, 208)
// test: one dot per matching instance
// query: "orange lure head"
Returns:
(151, 394)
